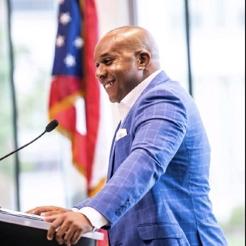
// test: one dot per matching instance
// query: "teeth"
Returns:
(108, 85)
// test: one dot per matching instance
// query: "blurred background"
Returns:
(201, 45)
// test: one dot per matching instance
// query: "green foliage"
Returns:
(236, 240)
(236, 220)
(238, 217)
(235, 227)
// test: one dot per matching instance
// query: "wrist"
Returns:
(96, 219)
(88, 222)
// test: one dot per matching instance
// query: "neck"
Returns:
(150, 70)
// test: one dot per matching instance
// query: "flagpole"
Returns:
(14, 104)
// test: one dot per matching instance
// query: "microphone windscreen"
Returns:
(51, 126)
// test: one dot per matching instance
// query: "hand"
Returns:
(67, 227)
(47, 210)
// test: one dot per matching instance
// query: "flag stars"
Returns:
(65, 18)
(70, 60)
(78, 42)
(60, 41)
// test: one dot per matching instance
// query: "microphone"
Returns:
(50, 127)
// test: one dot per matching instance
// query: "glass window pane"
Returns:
(7, 181)
(34, 29)
(165, 20)
(47, 174)
(218, 71)
(218, 61)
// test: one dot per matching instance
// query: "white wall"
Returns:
(112, 14)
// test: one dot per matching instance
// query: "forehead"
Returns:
(111, 44)
(104, 46)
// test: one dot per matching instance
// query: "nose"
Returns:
(101, 72)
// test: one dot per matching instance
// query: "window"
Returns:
(41, 179)
(7, 177)
(217, 61)
(166, 22)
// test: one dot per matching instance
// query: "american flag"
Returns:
(75, 96)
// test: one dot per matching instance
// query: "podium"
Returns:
(17, 229)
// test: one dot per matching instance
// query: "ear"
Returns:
(143, 59)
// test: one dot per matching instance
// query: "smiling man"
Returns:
(157, 188)
(121, 61)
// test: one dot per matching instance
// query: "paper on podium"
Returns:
(35, 221)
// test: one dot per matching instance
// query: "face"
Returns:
(116, 68)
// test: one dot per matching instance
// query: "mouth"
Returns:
(107, 85)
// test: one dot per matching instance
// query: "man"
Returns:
(157, 189)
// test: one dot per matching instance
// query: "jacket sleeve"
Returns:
(156, 133)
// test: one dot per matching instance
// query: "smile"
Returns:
(109, 84)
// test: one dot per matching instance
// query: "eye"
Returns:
(107, 61)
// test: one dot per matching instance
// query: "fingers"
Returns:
(67, 227)
(52, 218)
(61, 232)
(47, 210)
(76, 237)
(54, 212)
(57, 221)
(60, 226)
(43, 209)
(72, 236)
(36, 211)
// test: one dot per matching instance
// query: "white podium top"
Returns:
(36, 221)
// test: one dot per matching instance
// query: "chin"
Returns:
(113, 100)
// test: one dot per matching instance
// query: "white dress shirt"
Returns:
(98, 220)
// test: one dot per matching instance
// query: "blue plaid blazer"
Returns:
(157, 189)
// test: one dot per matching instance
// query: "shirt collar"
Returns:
(127, 102)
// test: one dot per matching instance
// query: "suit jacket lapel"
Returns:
(161, 77)
(111, 156)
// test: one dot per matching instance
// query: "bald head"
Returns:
(135, 39)
(138, 37)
